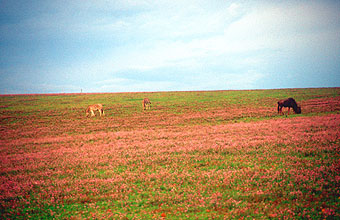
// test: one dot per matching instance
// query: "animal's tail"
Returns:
(278, 107)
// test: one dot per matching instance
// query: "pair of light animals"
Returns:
(99, 107)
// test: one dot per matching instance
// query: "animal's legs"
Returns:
(280, 110)
(92, 113)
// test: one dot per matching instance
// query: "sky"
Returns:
(63, 46)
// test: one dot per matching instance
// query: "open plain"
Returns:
(193, 155)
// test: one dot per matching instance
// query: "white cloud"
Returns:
(220, 43)
(195, 45)
(283, 26)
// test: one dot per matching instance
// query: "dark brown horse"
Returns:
(290, 103)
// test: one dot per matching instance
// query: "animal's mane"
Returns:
(294, 104)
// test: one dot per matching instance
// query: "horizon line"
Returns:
(208, 90)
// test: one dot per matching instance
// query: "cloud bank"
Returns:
(123, 46)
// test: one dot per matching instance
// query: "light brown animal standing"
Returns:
(146, 103)
(95, 107)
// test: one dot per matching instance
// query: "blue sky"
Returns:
(61, 46)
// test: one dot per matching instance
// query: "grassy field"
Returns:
(194, 155)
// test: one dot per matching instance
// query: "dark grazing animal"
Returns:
(290, 103)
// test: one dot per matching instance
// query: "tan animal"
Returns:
(146, 104)
(95, 107)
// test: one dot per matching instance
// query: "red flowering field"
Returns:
(194, 155)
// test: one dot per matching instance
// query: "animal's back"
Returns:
(97, 106)
(287, 102)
